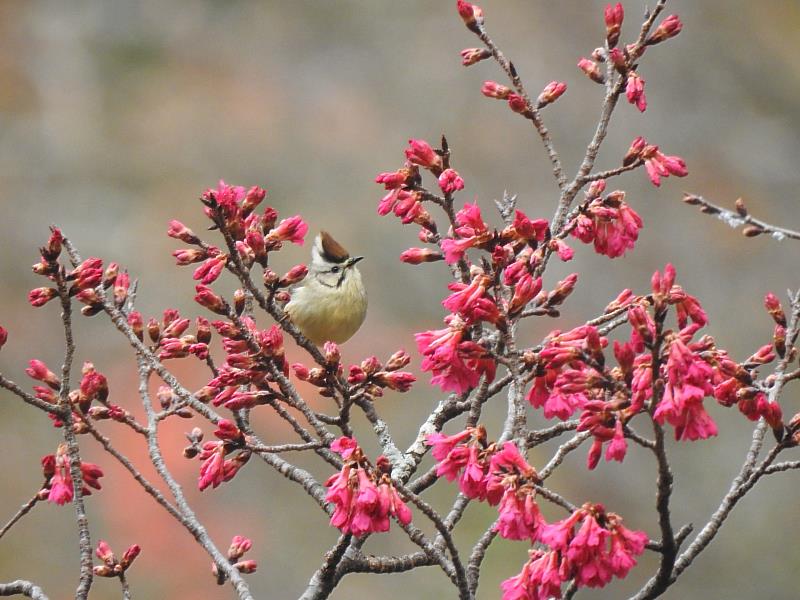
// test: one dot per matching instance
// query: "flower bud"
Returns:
(614, 14)
(669, 28)
(206, 297)
(105, 554)
(592, 70)
(517, 104)
(470, 56)
(415, 256)
(52, 250)
(471, 14)
(774, 308)
(130, 555)
(41, 296)
(551, 92)
(179, 231)
(255, 195)
(246, 566)
(398, 360)
(3, 336)
(421, 153)
(332, 354)
(492, 89)
(294, 275)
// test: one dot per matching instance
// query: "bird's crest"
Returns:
(329, 249)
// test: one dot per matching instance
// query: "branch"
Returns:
(740, 218)
(26, 588)
(24, 510)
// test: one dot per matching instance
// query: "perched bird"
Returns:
(331, 303)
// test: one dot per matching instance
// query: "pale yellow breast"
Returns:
(329, 314)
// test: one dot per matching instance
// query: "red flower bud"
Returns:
(492, 89)
(614, 15)
(592, 70)
(669, 28)
(470, 56)
(551, 92)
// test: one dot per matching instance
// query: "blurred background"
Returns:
(115, 115)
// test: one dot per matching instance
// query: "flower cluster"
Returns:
(58, 487)
(222, 458)
(374, 377)
(364, 497)
(590, 546)
(608, 222)
(656, 163)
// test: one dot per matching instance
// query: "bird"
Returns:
(330, 304)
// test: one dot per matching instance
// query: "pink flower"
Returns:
(611, 224)
(525, 289)
(344, 447)
(456, 365)
(450, 181)
(688, 380)
(395, 179)
(472, 302)
(441, 445)
(292, 230)
(210, 270)
(618, 447)
(625, 546)
(540, 578)
(634, 91)
(519, 516)
(656, 163)
(472, 230)
(212, 471)
(587, 553)
(420, 152)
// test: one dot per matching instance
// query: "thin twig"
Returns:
(24, 510)
(26, 588)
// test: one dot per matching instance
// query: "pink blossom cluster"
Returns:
(608, 222)
(252, 235)
(656, 163)
(59, 487)
(240, 545)
(364, 496)
(590, 546)
(570, 373)
(222, 458)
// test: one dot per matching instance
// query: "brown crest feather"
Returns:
(332, 250)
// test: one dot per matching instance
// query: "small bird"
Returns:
(331, 303)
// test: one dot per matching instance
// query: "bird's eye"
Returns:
(334, 269)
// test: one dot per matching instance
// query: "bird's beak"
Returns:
(356, 259)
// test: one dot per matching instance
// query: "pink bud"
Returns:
(669, 28)
(551, 92)
(420, 152)
(517, 104)
(470, 56)
(206, 297)
(634, 91)
(179, 231)
(592, 70)
(415, 256)
(246, 566)
(614, 15)
(471, 14)
(41, 296)
(295, 274)
(331, 352)
(130, 555)
(450, 181)
(104, 553)
(492, 89)
(3, 336)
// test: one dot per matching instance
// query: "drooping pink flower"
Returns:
(688, 381)
(344, 446)
(519, 516)
(456, 364)
(540, 578)
(656, 163)
(634, 91)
